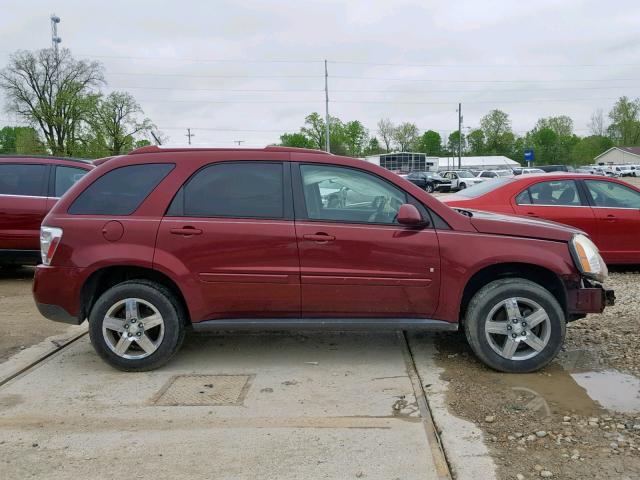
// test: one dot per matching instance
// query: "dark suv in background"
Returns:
(29, 187)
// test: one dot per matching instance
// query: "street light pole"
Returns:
(459, 135)
(326, 106)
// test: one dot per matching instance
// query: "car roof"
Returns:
(270, 148)
(43, 159)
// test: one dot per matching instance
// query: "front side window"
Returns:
(349, 195)
(65, 178)
(612, 195)
(238, 189)
(557, 192)
(23, 179)
(121, 190)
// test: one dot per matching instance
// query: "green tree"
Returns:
(373, 147)
(21, 140)
(588, 148)
(430, 143)
(625, 122)
(496, 128)
(405, 136)
(476, 142)
(453, 144)
(53, 91)
(561, 125)
(117, 119)
(299, 140)
(355, 138)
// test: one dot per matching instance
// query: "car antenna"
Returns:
(155, 137)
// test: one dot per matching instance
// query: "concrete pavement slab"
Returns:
(318, 405)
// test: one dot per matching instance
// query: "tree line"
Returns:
(67, 114)
(552, 138)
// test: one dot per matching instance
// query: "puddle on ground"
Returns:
(612, 389)
(560, 390)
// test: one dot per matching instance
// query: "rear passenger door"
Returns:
(23, 198)
(229, 232)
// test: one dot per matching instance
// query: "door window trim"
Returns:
(300, 205)
(584, 203)
(287, 195)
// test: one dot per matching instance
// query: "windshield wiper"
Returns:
(464, 212)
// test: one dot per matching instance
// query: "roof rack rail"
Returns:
(270, 148)
(51, 157)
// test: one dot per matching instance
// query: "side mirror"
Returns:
(409, 215)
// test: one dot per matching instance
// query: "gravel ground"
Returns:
(546, 424)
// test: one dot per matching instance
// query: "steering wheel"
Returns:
(378, 203)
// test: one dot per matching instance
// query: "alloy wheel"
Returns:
(517, 328)
(133, 328)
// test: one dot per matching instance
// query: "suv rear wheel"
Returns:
(515, 325)
(136, 325)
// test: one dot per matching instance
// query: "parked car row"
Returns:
(29, 187)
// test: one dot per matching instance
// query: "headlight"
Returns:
(587, 258)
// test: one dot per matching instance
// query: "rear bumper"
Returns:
(56, 291)
(592, 298)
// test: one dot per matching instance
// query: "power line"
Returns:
(484, 65)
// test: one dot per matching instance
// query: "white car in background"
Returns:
(487, 174)
(461, 179)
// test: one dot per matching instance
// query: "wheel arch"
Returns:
(535, 273)
(104, 278)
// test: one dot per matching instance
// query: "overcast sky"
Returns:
(249, 70)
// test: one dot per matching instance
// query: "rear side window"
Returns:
(240, 190)
(558, 192)
(65, 178)
(120, 191)
(23, 179)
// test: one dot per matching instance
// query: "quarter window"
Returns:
(120, 191)
(23, 179)
(523, 198)
(612, 195)
(241, 190)
(65, 178)
(558, 192)
(349, 195)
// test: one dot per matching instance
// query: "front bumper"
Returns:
(589, 298)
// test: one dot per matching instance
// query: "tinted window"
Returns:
(349, 195)
(244, 189)
(523, 198)
(23, 179)
(120, 191)
(612, 195)
(65, 178)
(557, 192)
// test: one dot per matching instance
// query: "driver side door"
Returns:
(355, 259)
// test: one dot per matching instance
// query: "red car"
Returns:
(29, 187)
(606, 208)
(153, 242)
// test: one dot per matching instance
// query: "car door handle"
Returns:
(186, 231)
(319, 237)
(531, 214)
(611, 218)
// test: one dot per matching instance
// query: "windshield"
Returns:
(503, 173)
(484, 187)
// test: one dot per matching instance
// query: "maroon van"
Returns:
(29, 187)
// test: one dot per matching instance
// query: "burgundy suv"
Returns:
(29, 187)
(159, 240)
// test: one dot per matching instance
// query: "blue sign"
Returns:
(529, 156)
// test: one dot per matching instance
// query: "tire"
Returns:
(429, 188)
(129, 305)
(462, 186)
(487, 310)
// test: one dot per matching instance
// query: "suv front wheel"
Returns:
(136, 325)
(515, 325)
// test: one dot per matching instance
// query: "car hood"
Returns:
(517, 226)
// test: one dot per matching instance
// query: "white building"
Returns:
(619, 156)
(408, 162)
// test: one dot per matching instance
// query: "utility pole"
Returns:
(326, 106)
(55, 39)
(460, 135)
(238, 142)
(189, 135)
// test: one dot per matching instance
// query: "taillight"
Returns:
(49, 240)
